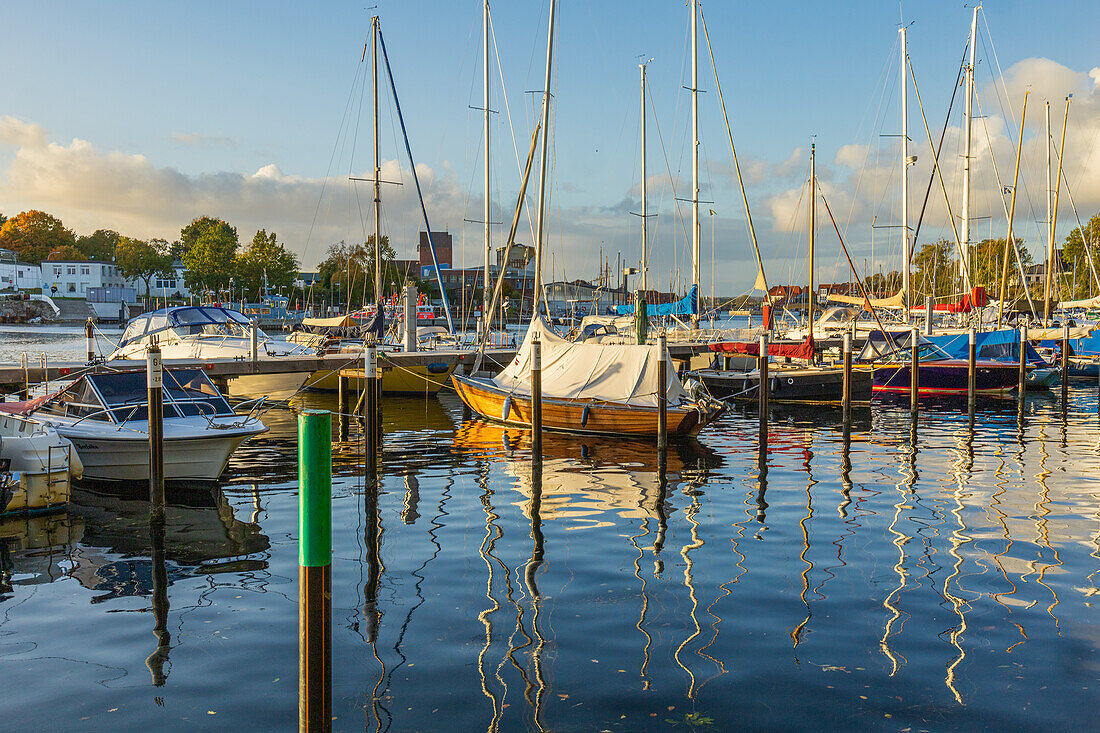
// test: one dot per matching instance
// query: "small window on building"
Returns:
(85, 270)
(70, 270)
(72, 287)
(57, 271)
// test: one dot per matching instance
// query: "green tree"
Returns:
(99, 245)
(137, 259)
(265, 260)
(935, 270)
(34, 234)
(348, 271)
(986, 260)
(1076, 259)
(209, 254)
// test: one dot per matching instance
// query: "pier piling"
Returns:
(1021, 382)
(914, 368)
(1065, 365)
(662, 392)
(846, 392)
(972, 370)
(344, 388)
(762, 371)
(410, 319)
(154, 378)
(89, 340)
(314, 571)
(536, 400)
(371, 425)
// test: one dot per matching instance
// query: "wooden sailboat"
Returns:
(586, 388)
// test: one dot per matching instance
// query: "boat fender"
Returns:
(790, 380)
(585, 451)
(584, 415)
(774, 383)
(438, 367)
(507, 408)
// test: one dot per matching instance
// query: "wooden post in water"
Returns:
(1065, 365)
(662, 392)
(89, 340)
(410, 318)
(25, 363)
(1021, 384)
(370, 406)
(762, 389)
(914, 368)
(314, 571)
(972, 369)
(154, 379)
(536, 399)
(846, 394)
(929, 309)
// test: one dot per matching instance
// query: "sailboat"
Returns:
(586, 387)
(787, 382)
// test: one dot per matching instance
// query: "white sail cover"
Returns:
(607, 372)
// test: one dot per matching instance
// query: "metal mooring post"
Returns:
(314, 571)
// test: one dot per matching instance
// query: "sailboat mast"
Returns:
(964, 267)
(906, 247)
(813, 225)
(1050, 230)
(695, 160)
(645, 210)
(1058, 188)
(542, 171)
(486, 317)
(377, 171)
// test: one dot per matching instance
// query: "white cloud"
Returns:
(198, 139)
(16, 132)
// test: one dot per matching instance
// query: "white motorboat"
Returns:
(37, 466)
(105, 416)
(213, 332)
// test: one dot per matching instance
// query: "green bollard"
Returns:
(314, 571)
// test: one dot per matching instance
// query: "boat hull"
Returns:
(126, 458)
(786, 385)
(947, 377)
(589, 417)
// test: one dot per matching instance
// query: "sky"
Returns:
(140, 117)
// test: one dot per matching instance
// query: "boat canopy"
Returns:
(586, 371)
(896, 345)
(1002, 345)
(119, 397)
(685, 306)
(188, 320)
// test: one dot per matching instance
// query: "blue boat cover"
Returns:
(685, 306)
(1003, 345)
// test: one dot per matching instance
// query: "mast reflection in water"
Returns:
(933, 572)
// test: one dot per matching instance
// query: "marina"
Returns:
(618, 430)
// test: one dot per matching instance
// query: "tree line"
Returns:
(209, 248)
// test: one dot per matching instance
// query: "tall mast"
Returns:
(377, 171)
(813, 222)
(1057, 190)
(695, 160)
(542, 171)
(964, 267)
(486, 317)
(1050, 230)
(645, 210)
(906, 251)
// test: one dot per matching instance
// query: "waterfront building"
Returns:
(72, 278)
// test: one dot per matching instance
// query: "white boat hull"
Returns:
(126, 458)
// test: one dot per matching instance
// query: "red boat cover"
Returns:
(25, 407)
(804, 350)
(976, 298)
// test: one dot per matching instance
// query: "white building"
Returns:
(166, 287)
(72, 278)
(16, 275)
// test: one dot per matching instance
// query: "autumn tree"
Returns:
(1075, 256)
(264, 260)
(99, 245)
(209, 254)
(350, 269)
(987, 259)
(935, 270)
(140, 260)
(34, 234)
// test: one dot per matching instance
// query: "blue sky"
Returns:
(235, 109)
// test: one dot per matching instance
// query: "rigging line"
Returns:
(1084, 232)
(736, 164)
(664, 154)
(508, 111)
(939, 147)
(963, 259)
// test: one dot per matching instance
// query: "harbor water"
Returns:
(946, 581)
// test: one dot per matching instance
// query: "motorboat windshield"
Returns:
(188, 322)
(118, 397)
(897, 347)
